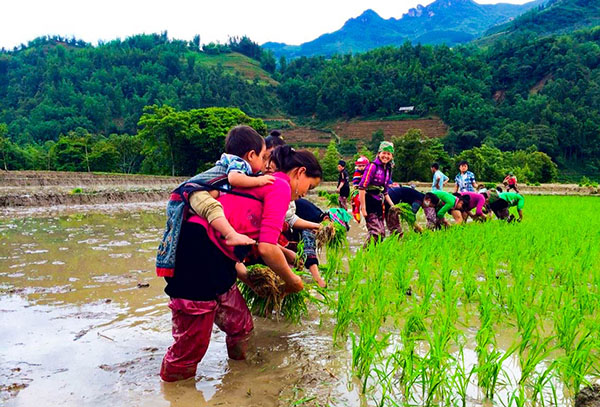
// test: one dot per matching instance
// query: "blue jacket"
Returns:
(177, 210)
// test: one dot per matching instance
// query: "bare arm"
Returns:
(455, 188)
(241, 180)
(274, 258)
(389, 200)
(305, 224)
(437, 184)
(340, 187)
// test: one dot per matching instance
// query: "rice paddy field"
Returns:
(484, 314)
(493, 314)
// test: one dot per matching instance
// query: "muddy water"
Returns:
(84, 322)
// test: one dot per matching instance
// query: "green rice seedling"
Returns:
(536, 351)
(577, 363)
(541, 382)
(461, 378)
(267, 295)
(404, 212)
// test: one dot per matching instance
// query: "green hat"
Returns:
(386, 146)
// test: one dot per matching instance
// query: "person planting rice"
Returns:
(409, 196)
(465, 179)
(202, 290)
(477, 202)
(438, 203)
(373, 191)
(359, 169)
(506, 200)
(304, 219)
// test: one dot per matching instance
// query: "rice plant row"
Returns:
(497, 313)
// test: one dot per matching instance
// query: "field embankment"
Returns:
(23, 190)
(26, 189)
(544, 189)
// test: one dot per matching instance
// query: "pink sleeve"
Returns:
(480, 203)
(276, 201)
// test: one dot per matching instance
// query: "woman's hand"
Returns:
(274, 258)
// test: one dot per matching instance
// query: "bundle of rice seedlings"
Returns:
(404, 212)
(267, 295)
(331, 235)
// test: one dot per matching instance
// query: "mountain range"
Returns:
(443, 21)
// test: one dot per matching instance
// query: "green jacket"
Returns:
(448, 199)
(513, 199)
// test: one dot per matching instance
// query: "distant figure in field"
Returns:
(439, 178)
(500, 202)
(343, 186)
(465, 179)
(409, 196)
(359, 169)
(373, 191)
(477, 202)
(510, 181)
(437, 203)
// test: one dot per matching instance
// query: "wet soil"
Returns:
(85, 322)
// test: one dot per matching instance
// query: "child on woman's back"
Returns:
(244, 151)
(243, 157)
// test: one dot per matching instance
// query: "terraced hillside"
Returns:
(363, 130)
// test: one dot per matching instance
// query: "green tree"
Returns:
(376, 138)
(330, 162)
(414, 154)
(183, 142)
(4, 143)
(129, 149)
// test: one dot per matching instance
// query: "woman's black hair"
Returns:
(243, 139)
(285, 158)
(432, 197)
(466, 200)
(274, 139)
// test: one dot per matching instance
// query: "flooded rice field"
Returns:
(85, 322)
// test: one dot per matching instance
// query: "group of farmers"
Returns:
(242, 210)
(374, 195)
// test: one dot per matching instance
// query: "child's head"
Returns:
(341, 165)
(246, 143)
(430, 200)
(386, 152)
(463, 166)
(435, 167)
(361, 163)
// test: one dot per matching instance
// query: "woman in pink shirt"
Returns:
(477, 202)
(203, 289)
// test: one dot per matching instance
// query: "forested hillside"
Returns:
(55, 85)
(520, 93)
(555, 16)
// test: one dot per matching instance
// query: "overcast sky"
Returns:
(292, 22)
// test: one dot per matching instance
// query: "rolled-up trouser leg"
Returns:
(234, 318)
(393, 223)
(192, 327)
(375, 227)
